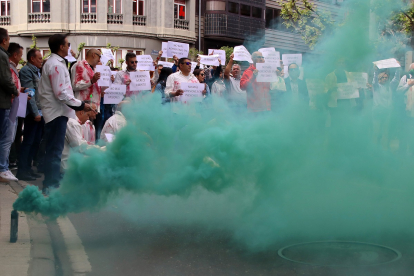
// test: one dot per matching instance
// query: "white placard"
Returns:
(220, 53)
(209, 60)
(360, 78)
(114, 94)
(178, 49)
(193, 66)
(21, 111)
(69, 57)
(164, 50)
(265, 51)
(105, 79)
(109, 137)
(192, 92)
(272, 58)
(113, 73)
(267, 72)
(292, 58)
(108, 54)
(387, 63)
(241, 54)
(140, 81)
(348, 90)
(145, 62)
(166, 64)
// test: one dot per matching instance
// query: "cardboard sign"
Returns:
(105, 71)
(220, 53)
(166, 64)
(387, 63)
(114, 94)
(145, 62)
(348, 91)
(140, 81)
(241, 54)
(178, 49)
(267, 72)
(192, 92)
(209, 60)
(361, 79)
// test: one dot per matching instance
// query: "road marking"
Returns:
(76, 252)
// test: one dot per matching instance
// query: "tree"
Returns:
(304, 18)
(193, 52)
(229, 50)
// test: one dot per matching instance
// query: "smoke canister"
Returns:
(14, 226)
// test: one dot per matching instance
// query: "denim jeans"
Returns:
(55, 132)
(32, 135)
(7, 132)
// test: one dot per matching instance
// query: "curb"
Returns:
(42, 260)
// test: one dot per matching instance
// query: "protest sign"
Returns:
(272, 58)
(265, 51)
(114, 94)
(193, 66)
(69, 57)
(292, 58)
(241, 54)
(164, 50)
(209, 60)
(361, 79)
(192, 92)
(166, 64)
(140, 81)
(267, 72)
(109, 137)
(113, 73)
(347, 91)
(220, 53)
(177, 49)
(21, 111)
(387, 63)
(105, 71)
(145, 62)
(108, 54)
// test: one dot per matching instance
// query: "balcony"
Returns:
(4, 20)
(115, 18)
(181, 24)
(43, 17)
(139, 20)
(88, 18)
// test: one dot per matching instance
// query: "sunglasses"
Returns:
(133, 62)
(202, 75)
(98, 55)
(186, 63)
(260, 57)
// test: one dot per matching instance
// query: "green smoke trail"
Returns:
(309, 181)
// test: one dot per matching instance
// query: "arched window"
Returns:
(138, 7)
(5, 7)
(89, 6)
(40, 6)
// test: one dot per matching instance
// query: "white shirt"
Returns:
(113, 125)
(174, 82)
(73, 139)
(55, 90)
(235, 94)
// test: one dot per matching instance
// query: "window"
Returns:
(45, 52)
(233, 7)
(89, 6)
(114, 6)
(138, 7)
(40, 6)
(245, 10)
(5, 7)
(179, 9)
(274, 20)
(256, 12)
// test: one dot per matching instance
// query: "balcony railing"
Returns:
(139, 20)
(115, 18)
(181, 24)
(88, 18)
(43, 17)
(4, 20)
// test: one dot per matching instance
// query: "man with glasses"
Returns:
(122, 77)
(258, 97)
(173, 87)
(296, 89)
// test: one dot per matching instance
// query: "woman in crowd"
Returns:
(161, 83)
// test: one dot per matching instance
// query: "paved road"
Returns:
(115, 245)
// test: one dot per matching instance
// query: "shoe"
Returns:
(36, 175)
(26, 176)
(12, 166)
(2, 180)
(8, 176)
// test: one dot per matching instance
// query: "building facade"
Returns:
(134, 25)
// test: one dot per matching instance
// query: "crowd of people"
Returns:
(66, 112)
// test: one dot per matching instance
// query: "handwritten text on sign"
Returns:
(105, 71)
(209, 60)
(166, 64)
(140, 81)
(145, 62)
(192, 92)
(387, 63)
(241, 54)
(272, 58)
(347, 90)
(114, 94)
(267, 72)
(177, 49)
(292, 58)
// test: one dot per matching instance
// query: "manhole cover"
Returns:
(339, 253)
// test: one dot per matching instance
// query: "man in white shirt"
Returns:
(234, 94)
(58, 104)
(123, 77)
(173, 86)
(114, 123)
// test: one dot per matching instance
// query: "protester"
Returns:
(258, 97)
(219, 87)
(114, 124)
(173, 87)
(58, 104)
(200, 75)
(123, 77)
(235, 96)
(33, 123)
(296, 89)
(162, 82)
(8, 90)
(158, 68)
(88, 129)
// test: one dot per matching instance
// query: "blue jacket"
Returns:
(29, 78)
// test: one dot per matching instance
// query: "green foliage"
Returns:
(121, 61)
(229, 50)
(22, 62)
(193, 52)
(34, 45)
(306, 20)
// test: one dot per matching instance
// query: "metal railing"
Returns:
(139, 20)
(4, 20)
(43, 17)
(115, 18)
(181, 24)
(88, 18)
